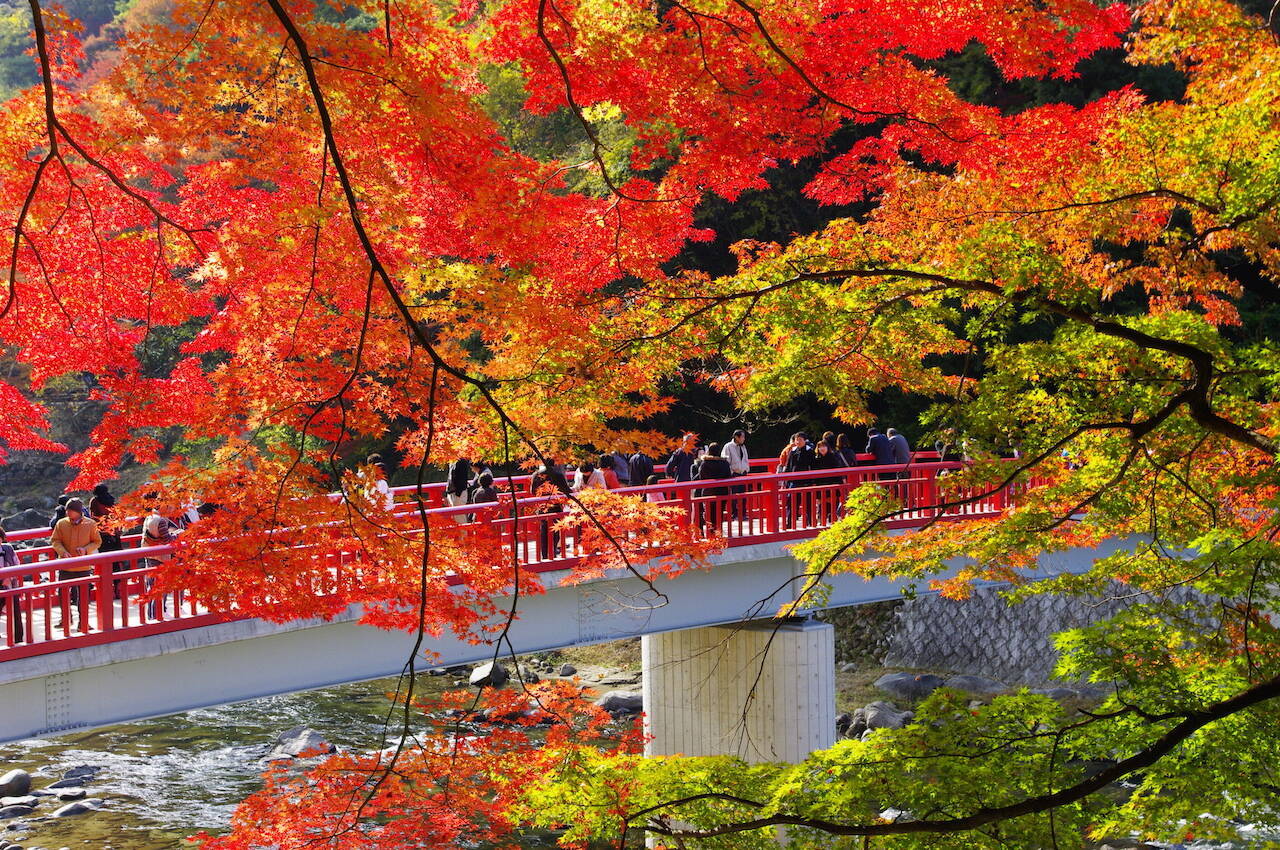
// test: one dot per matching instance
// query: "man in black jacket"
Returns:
(680, 464)
(878, 444)
(639, 468)
(712, 467)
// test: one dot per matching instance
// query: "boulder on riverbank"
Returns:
(875, 715)
(23, 520)
(978, 686)
(15, 783)
(82, 807)
(909, 686)
(622, 702)
(25, 800)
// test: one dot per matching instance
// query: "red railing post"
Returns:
(686, 502)
(930, 494)
(772, 506)
(106, 599)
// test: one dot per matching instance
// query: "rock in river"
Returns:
(82, 807)
(884, 715)
(492, 675)
(15, 811)
(296, 741)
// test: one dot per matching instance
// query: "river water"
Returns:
(166, 778)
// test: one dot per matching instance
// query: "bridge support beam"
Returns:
(763, 692)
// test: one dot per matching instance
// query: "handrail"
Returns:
(110, 593)
(432, 487)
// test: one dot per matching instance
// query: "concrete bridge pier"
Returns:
(762, 691)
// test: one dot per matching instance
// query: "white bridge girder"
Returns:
(231, 662)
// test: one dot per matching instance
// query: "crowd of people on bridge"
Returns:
(76, 531)
(472, 482)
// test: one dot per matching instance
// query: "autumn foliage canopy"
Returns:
(289, 228)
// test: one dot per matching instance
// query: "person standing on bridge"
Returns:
(457, 488)
(799, 456)
(881, 450)
(61, 510)
(680, 464)
(100, 506)
(75, 535)
(485, 493)
(827, 499)
(381, 490)
(157, 530)
(9, 560)
(622, 469)
(735, 452)
(640, 468)
(548, 481)
(844, 448)
(901, 450)
(609, 471)
(711, 467)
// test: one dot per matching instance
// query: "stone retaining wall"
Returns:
(986, 636)
(862, 631)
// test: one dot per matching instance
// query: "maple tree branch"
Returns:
(1195, 397)
(1170, 194)
(694, 18)
(1192, 723)
(385, 79)
(195, 33)
(827, 96)
(1098, 492)
(386, 24)
(388, 285)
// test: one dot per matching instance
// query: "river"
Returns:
(166, 778)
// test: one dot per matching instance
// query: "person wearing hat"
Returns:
(61, 510)
(73, 536)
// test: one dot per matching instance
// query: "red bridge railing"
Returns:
(47, 606)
